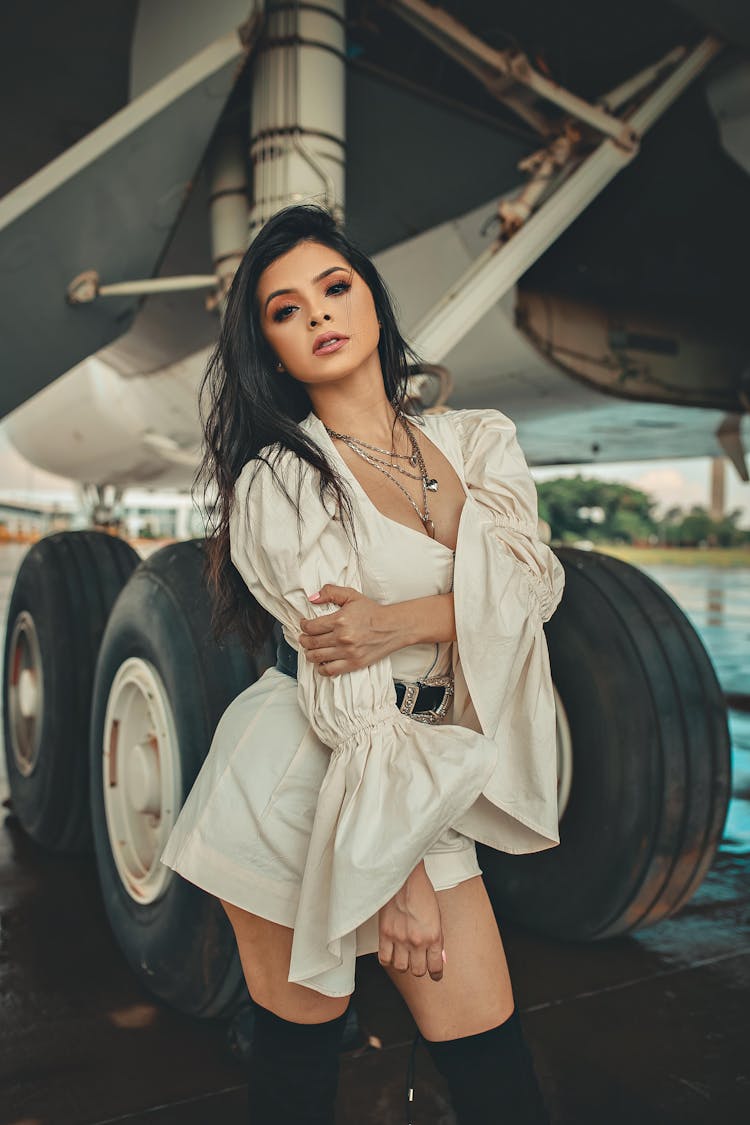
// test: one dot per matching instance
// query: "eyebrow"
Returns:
(315, 280)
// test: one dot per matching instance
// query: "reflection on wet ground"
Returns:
(652, 1029)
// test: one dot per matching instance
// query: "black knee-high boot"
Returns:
(293, 1070)
(491, 1076)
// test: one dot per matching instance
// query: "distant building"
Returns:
(139, 514)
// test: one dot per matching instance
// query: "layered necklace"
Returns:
(414, 458)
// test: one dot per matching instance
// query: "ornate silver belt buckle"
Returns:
(433, 715)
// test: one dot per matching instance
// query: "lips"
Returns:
(328, 342)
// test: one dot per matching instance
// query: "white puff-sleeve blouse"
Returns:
(394, 784)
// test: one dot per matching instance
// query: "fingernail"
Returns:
(445, 959)
(313, 597)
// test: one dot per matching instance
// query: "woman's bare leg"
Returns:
(475, 992)
(265, 950)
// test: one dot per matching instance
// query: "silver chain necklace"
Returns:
(415, 458)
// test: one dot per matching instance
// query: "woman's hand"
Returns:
(355, 636)
(411, 932)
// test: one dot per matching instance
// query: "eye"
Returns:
(279, 313)
(341, 286)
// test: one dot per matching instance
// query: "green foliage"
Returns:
(609, 512)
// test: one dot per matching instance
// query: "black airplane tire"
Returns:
(651, 762)
(63, 593)
(162, 682)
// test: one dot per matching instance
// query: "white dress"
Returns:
(318, 796)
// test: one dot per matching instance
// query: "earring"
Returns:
(279, 366)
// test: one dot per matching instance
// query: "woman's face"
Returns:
(296, 305)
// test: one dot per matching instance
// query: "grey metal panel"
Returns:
(413, 162)
(64, 71)
(730, 18)
(109, 203)
(430, 146)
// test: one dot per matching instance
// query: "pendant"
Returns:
(431, 527)
(432, 484)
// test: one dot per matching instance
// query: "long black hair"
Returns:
(246, 404)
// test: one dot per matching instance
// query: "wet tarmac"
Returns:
(652, 1029)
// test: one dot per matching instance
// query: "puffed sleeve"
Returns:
(393, 784)
(498, 477)
(507, 584)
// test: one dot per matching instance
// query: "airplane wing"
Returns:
(113, 198)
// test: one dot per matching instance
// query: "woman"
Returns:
(410, 712)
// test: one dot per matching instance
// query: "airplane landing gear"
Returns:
(63, 594)
(160, 689)
(649, 779)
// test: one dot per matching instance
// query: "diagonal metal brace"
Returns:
(499, 267)
(500, 71)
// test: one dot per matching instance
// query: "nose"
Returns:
(326, 316)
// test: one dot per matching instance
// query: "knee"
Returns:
(299, 1005)
(265, 948)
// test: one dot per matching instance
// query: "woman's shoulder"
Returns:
(277, 497)
(467, 421)
(274, 466)
(276, 461)
(476, 436)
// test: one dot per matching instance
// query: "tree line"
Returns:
(606, 511)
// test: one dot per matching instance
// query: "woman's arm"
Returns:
(422, 620)
(363, 631)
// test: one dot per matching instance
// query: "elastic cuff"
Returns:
(467, 1044)
(280, 1034)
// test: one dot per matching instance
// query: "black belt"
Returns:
(425, 701)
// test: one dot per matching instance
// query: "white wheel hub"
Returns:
(25, 693)
(141, 777)
(564, 756)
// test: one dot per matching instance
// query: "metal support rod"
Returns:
(632, 86)
(499, 267)
(671, 88)
(86, 287)
(158, 285)
(498, 70)
(228, 209)
(298, 110)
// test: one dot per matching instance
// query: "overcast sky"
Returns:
(682, 482)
